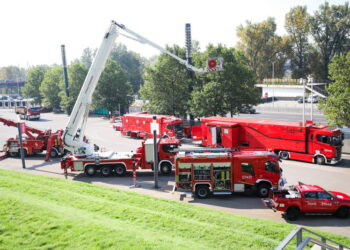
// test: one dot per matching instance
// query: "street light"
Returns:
(310, 80)
(302, 81)
(273, 79)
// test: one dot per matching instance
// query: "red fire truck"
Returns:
(28, 113)
(34, 141)
(109, 162)
(205, 173)
(139, 125)
(291, 140)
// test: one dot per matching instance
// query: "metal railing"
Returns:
(301, 244)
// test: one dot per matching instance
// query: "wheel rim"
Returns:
(119, 170)
(263, 191)
(105, 170)
(91, 170)
(166, 168)
(202, 192)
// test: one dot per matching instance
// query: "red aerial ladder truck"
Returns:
(34, 141)
(85, 157)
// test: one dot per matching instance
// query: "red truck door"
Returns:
(243, 171)
(311, 202)
(326, 202)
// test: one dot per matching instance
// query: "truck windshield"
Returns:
(175, 127)
(330, 140)
(34, 109)
(272, 166)
(169, 148)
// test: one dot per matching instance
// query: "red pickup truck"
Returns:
(308, 199)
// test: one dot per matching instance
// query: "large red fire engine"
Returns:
(139, 125)
(34, 141)
(291, 140)
(205, 173)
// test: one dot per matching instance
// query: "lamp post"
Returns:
(310, 80)
(303, 82)
(273, 79)
(20, 141)
(155, 151)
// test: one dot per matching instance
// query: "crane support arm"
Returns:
(73, 137)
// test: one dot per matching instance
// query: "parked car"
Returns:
(313, 99)
(300, 100)
(247, 110)
(57, 110)
(45, 110)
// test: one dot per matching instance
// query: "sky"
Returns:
(32, 32)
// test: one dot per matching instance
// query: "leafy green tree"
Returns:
(113, 89)
(12, 73)
(297, 26)
(35, 77)
(76, 75)
(132, 63)
(226, 91)
(330, 28)
(51, 87)
(87, 57)
(337, 105)
(166, 85)
(260, 45)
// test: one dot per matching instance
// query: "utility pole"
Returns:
(155, 151)
(273, 79)
(188, 43)
(20, 141)
(303, 82)
(65, 74)
(310, 81)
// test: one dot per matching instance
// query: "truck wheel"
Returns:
(320, 160)
(120, 170)
(13, 154)
(263, 190)
(342, 212)
(293, 213)
(106, 171)
(165, 168)
(284, 155)
(25, 154)
(53, 153)
(202, 191)
(90, 170)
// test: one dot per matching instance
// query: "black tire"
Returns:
(320, 160)
(25, 154)
(284, 155)
(13, 154)
(166, 168)
(53, 153)
(292, 213)
(90, 170)
(202, 192)
(120, 170)
(106, 171)
(263, 190)
(342, 212)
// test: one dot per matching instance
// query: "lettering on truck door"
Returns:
(326, 202)
(310, 203)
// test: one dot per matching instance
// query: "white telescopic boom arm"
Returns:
(161, 49)
(73, 136)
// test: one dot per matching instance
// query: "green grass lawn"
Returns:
(44, 213)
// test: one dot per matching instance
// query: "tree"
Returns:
(330, 27)
(260, 45)
(226, 91)
(35, 77)
(51, 86)
(113, 89)
(166, 85)
(337, 105)
(12, 73)
(132, 63)
(76, 75)
(87, 57)
(297, 26)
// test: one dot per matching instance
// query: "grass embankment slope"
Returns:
(41, 212)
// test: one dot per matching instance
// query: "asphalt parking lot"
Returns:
(100, 132)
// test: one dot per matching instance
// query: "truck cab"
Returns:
(166, 154)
